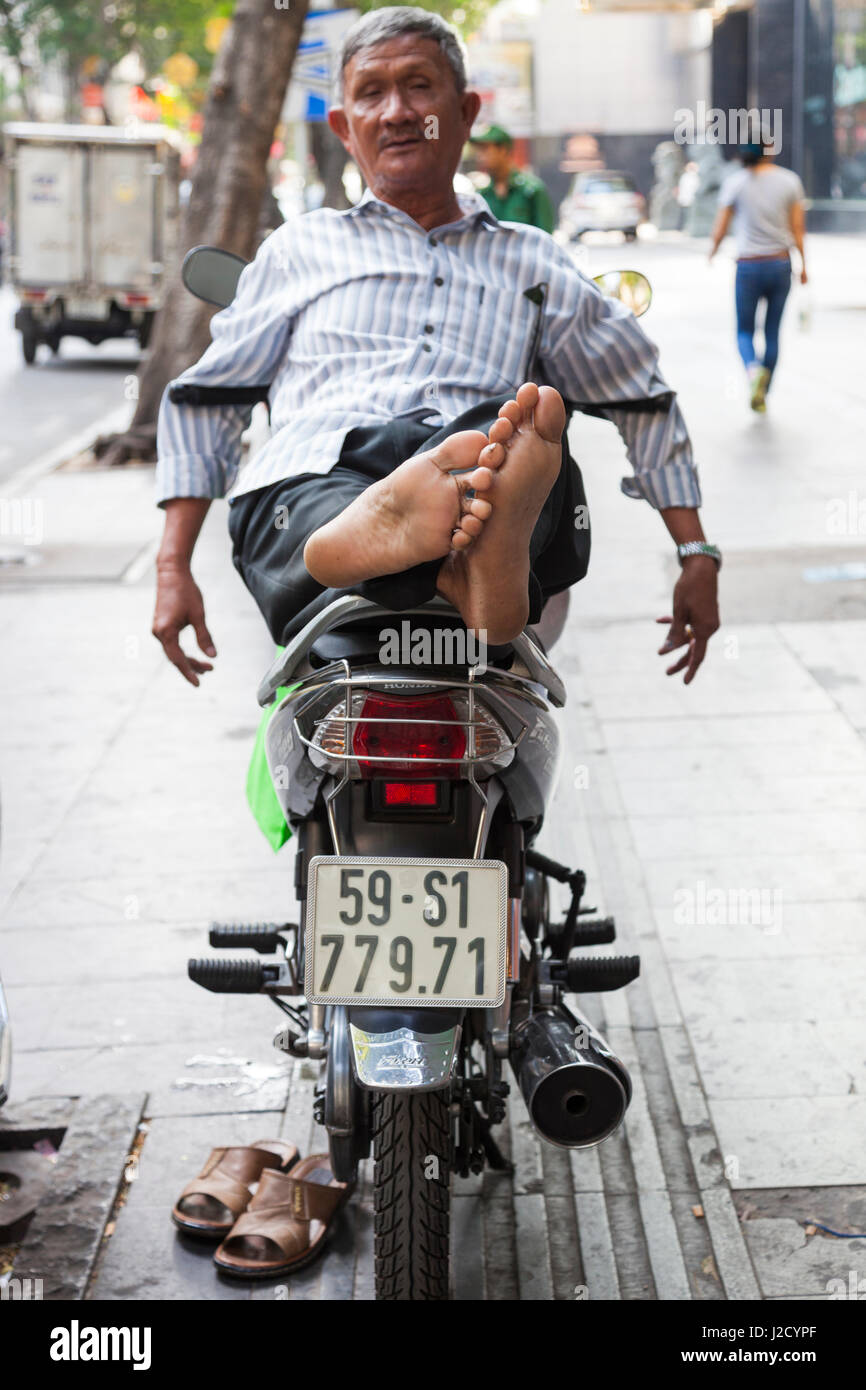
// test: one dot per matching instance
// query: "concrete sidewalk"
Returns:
(724, 824)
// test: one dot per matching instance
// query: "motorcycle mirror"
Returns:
(630, 287)
(211, 274)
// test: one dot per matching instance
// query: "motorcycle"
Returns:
(425, 955)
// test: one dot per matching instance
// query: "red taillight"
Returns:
(401, 731)
(410, 793)
(132, 299)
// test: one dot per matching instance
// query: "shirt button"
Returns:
(426, 347)
(438, 280)
(433, 241)
(428, 328)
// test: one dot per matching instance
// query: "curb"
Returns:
(116, 419)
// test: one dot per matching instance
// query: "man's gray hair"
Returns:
(377, 26)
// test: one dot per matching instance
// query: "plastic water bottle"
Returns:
(804, 309)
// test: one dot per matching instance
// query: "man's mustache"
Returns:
(405, 133)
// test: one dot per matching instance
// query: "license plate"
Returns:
(419, 932)
(86, 309)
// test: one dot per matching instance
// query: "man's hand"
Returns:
(179, 604)
(696, 614)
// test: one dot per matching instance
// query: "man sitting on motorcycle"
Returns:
(404, 459)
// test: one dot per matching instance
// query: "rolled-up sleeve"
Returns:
(198, 447)
(594, 351)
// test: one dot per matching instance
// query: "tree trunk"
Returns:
(330, 157)
(245, 97)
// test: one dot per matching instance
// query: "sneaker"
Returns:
(759, 380)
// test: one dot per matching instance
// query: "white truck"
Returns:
(93, 222)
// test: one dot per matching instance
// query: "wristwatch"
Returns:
(700, 548)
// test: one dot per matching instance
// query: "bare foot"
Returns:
(489, 583)
(419, 512)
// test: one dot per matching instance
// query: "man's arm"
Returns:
(179, 603)
(198, 447)
(695, 614)
(596, 354)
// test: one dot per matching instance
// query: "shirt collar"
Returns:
(472, 205)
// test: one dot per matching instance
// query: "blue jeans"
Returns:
(756, 280)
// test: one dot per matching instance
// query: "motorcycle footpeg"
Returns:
(228, 976)
(591, 975)
(263, 937)
(549, 867)
(600, 932)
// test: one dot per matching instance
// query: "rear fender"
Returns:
(404, 1049)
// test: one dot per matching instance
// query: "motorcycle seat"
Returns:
(362, 639)
(351, 626)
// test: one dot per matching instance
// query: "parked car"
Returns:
(604, 200)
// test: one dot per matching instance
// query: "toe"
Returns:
(471, 526)
(501, 430)
(511, 411)
(480, 480)
(492, 456)
(527, 395)
(478, 507)
(459, 451)
(460, 540)
(549, 418)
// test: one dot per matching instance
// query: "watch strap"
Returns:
(699, 548)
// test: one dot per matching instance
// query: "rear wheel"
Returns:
(412, 1162)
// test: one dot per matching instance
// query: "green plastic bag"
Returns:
(261, 796)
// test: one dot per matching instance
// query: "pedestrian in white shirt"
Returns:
(765, 203)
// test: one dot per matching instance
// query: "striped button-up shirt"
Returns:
(353, 318)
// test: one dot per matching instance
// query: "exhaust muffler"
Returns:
(576, 1089)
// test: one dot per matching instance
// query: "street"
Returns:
(45, 405)
(724, 824)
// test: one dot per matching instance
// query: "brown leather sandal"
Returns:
(211, 1203)
(286, 1223)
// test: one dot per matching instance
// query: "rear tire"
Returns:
(411, 1193)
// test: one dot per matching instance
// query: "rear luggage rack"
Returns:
(347, 714)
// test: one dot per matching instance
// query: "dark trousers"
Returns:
(270, 527)
(757, 280)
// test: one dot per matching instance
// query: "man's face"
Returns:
(495, 160)
(402, 119)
